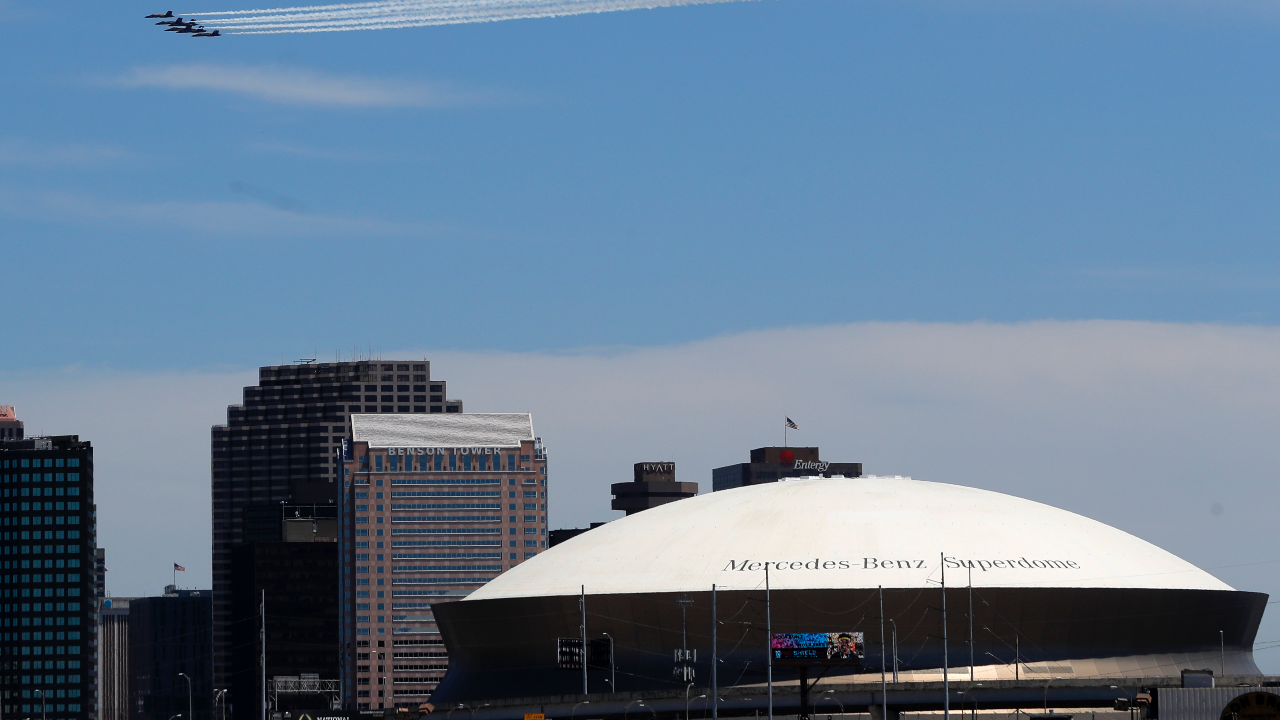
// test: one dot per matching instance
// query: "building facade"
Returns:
(434, 507)
(10, 425)
(771, 464)
(48, 641)
(280, 447)
(170, 656)
(287, 592)
(654, 484)
(113, 658)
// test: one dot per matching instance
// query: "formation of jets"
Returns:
(178, 25)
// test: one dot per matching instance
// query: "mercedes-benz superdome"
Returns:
(1031, 591)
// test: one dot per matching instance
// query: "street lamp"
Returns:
(1128, 697)
(44, 706)
(686, 700)
(220, 695)
(830, 696)
(613, 669)
(973, 708)
(575, 708)
(1046, 694)
(190, 703)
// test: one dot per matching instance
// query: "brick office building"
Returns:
(434, 507)
(278, 451)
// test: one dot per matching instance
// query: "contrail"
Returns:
(387, 14)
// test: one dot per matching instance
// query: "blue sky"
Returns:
(659, 231)
(630, 178)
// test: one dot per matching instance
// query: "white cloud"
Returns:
(219, 218)
(1143, 426)
(293, 86)
(17, 151)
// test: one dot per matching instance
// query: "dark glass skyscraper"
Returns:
(49, 535)
(278, 451)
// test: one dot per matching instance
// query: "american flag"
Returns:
(791, 424)
(178, 568)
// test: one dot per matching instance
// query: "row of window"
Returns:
(48, 535)
(69, 707)
(43, 462)
(54, 679)
(47, 607)
(71, 578)
(436, 463)
(48, 520)
(39, 564)
(41, 477)
(38, 592)
(49, 665)
(47, 636)
(38, 621)
(29, 506)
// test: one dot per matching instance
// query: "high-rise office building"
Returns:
(434, 507)
(280, 448)
(771, 464)
(113, 658)
(170, 656)
(49, 535)
(10, 425)
(654, 484)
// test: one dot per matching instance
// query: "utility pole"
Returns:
(1017, 657)
(262, 657)
(715, 688)
(946, 662)
(970, 626)
(768, 630)
(582, 605)
(895, 651)
(884, 691)
(686, 671)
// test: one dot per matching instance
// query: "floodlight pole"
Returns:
(946, 677)
(582, 605)
(884, 691)
(970, 625)
(715, 689)
(768, 631)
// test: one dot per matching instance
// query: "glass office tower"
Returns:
(49, 535)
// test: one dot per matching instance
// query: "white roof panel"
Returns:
(847, 533)
(443, 429)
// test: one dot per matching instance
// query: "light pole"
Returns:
(832, 697)
(1046, 694)
(686, 700)
(974, 707)
(190, 703)
(895, 649)
(613, 669)
(575, 708)
(1130, 698)
(44, 706)
(220, 695)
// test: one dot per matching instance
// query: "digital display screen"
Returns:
(818, 647)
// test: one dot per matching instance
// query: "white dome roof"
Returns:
(847, 533)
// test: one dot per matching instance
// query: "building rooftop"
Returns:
(443, 430)
(8, 414)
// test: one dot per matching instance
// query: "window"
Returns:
(531, 493)
(528, 507)
(530, 531)
(530, 519)
(511, 465)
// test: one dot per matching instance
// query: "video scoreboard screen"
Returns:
(818, 648)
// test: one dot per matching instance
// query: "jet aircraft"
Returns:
(158, 15)
(182, 27)
(204, 33)
(196, 29)
(177, 21)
